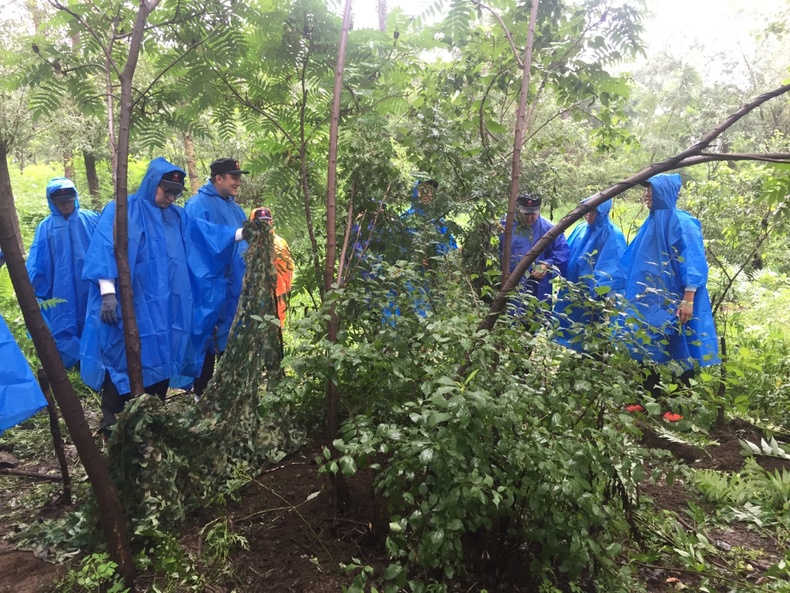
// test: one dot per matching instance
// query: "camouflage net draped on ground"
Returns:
(167, 463)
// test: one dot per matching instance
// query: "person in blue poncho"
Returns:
(528, 227)
(595, 250)
(420, 217)
(55, 265)
(20, 393)
(162, 294)
(665, 287)
(215, 253)
(430, 236)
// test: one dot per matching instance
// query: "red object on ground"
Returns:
(632, 408)
(672, 417)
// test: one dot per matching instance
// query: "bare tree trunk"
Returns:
(111, 511)
(68, 164)
(189, 148)
(57, 438)
(693, 155)
(111, 137)
(342, 497)
(517, 143)
(93, 179)
(382, 10)
(303, 170)
(131, 333)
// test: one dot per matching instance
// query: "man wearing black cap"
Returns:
(215, 260)
(161, 291)
(528, 227)
(55, 265)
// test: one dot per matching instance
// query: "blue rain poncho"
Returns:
(595, 251)
(217, 266)
(161, 287)
(554, 256)
(55, 267)
(20, 394)
(415, 219)
(667, 257)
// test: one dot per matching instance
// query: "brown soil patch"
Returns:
(726, 456)
(21, 572)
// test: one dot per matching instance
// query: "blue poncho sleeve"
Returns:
(20, 394)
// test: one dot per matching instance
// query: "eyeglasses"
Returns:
(171, 192)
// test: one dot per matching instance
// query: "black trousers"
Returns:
(206, 372)
(112, 402)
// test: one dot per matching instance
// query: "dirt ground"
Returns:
(297, 540)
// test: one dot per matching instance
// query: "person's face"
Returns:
(66, 208)
(647, 197)
(591, 216)
(527, 219)
(425, 193)
(165, 197)
(227, 184)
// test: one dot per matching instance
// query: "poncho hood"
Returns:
(61, 183)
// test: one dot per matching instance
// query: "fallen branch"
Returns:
(7, 471)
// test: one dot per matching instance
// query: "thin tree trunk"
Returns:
(382, 10)
(303, 171)
(517, 143)
(93, 179)
(189, 148)
(342, 497)
(111, 511)
(111, 137)
(68, 164)
(57, 438)
(131, 333)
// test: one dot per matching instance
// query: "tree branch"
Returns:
(173, 63)
(479, 4)
(254, 108)
(105, 49)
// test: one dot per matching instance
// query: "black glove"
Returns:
(109, 309)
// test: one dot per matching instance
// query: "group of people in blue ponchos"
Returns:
(186, 271)
(660, 279)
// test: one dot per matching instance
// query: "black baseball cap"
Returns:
(62, 195)
(173, 181)
(528, 204)
(223, 166)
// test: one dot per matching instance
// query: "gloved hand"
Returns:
(109, 309)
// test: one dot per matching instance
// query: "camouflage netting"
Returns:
(167, 463)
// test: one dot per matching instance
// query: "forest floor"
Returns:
(297, 542)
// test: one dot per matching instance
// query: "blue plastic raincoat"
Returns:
(595, 251)
(667, 257)
(20, 394)
(555, 256)
(415, 218)
(161, 286)
(55, 267)
(217, 266)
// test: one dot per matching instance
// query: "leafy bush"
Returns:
(526, 451)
